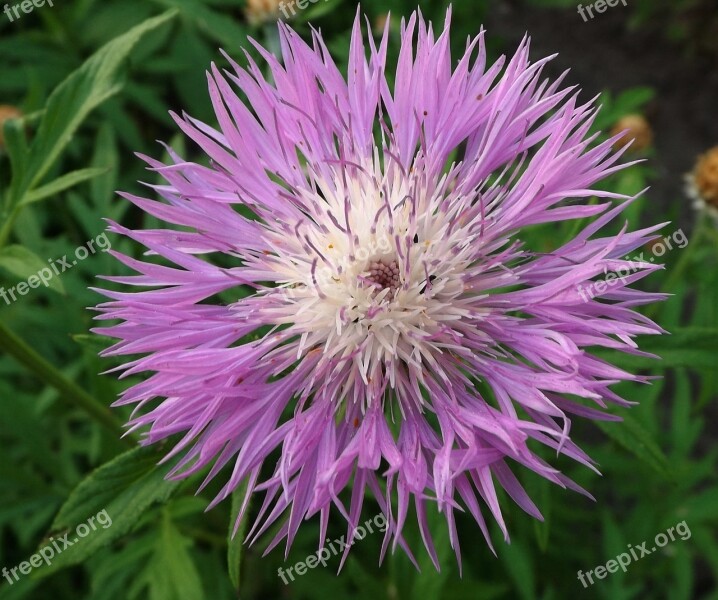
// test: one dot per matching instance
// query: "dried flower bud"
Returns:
(262, 11)
(380, 23)
(705, 176)
(637, 128)
(7, 112)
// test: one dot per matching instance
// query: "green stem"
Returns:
(69, 391)
(8, 223)
(234, 543)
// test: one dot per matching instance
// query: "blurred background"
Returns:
(73, 114)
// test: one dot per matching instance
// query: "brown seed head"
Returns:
(262, 11)
(637, 128)
(705, 176)
(7, 112)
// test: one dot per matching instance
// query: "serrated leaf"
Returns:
(24, 263)
(126, 487)
(171, 572)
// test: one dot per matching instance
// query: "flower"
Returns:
(350, 295)
(262, 11)
(702, 183)
(633, 129)
(7, 112)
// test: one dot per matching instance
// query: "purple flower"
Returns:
(349, 291)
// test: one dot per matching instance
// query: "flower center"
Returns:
(382, 275)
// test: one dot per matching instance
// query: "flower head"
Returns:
(702, 183)
(7, 112)
(262, 11)
(636, 130)
(349, 287)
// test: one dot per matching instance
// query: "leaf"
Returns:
(219, 27)
(24, 264)
(16, 145)
(61, 184)
(319, 10)
(105, 155)
(633, 99)
(428, 583)
(614, 543)
(542, 490)
(630, 434)
(517, 562)
(171, 572)
(685, 427)
(691, 347)
(112, 575)
(701, 507)
(68, 105)
(235, 538)
(124, 488)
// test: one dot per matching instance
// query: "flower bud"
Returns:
(636, 128)
(7, 112)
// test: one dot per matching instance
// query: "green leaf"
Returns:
(219, 27)
(16, 145)
(86, 88)
(61, 184)
(24, 264)
(124, 488)
(111, 576)
(171, 572)
(633, 99)
(319, 10)
(691, 347)
(428, 583)
(235, 539)
(630, 434)
(93, 341)
(105, 155)
(542, 490)
(517, 562)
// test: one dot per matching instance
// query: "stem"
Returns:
(235, 542)
(71, 392)
(9, 222)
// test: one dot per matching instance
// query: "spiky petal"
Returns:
(376, 317)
